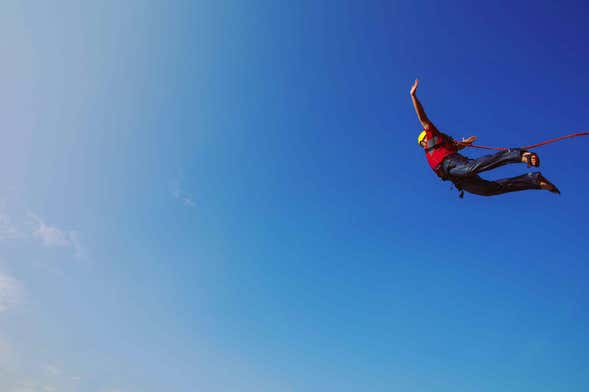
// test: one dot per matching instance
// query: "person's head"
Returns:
(422, 139)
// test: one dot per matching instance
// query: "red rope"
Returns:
(533, 145)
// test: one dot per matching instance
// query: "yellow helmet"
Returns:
(421, 137)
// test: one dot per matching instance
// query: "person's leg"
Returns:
(478, 186)
(459, 166)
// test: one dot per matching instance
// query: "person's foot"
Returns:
(531, 159)
(547, 185)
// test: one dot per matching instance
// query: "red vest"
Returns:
(439, 146)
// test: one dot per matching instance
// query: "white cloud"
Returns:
(187, 201)
(9, 358)
(52, 236)
(24, 388)
(52, 369)
(7, 229)
(11, 292)
(79, 252)
(45, 378)
(30, 387)
(179, 194)
(47, 235)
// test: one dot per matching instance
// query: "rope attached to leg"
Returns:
(530, 146)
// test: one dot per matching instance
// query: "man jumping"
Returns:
(442, 155)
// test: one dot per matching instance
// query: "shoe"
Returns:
(548, 185)
(529, 157)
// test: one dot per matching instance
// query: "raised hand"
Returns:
(414, 87)
(469, 140)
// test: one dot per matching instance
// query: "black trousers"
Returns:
(463, 172)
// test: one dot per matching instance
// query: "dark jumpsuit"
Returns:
(463, 172)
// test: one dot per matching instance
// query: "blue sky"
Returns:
(228, 195)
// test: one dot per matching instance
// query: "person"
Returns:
(442, 154)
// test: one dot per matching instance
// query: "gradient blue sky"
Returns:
(228, 196)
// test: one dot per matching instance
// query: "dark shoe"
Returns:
(549, 186)
(529, 157)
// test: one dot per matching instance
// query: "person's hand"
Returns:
(414, 87)
(469, 140)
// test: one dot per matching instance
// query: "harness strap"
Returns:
(530, 146)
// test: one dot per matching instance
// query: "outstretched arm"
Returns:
(465, 142)
(417, 105)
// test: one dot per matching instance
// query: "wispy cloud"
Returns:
(52, 236)
(49, 235)
(25, 388)
(31, 387)
(8, 230)
(79, 252)
(35, 227)
(51, 369)
(11, 292)
(44, 378)
(9, 358)
(179, 194)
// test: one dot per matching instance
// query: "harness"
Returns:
(438, 147)
(436, 141)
